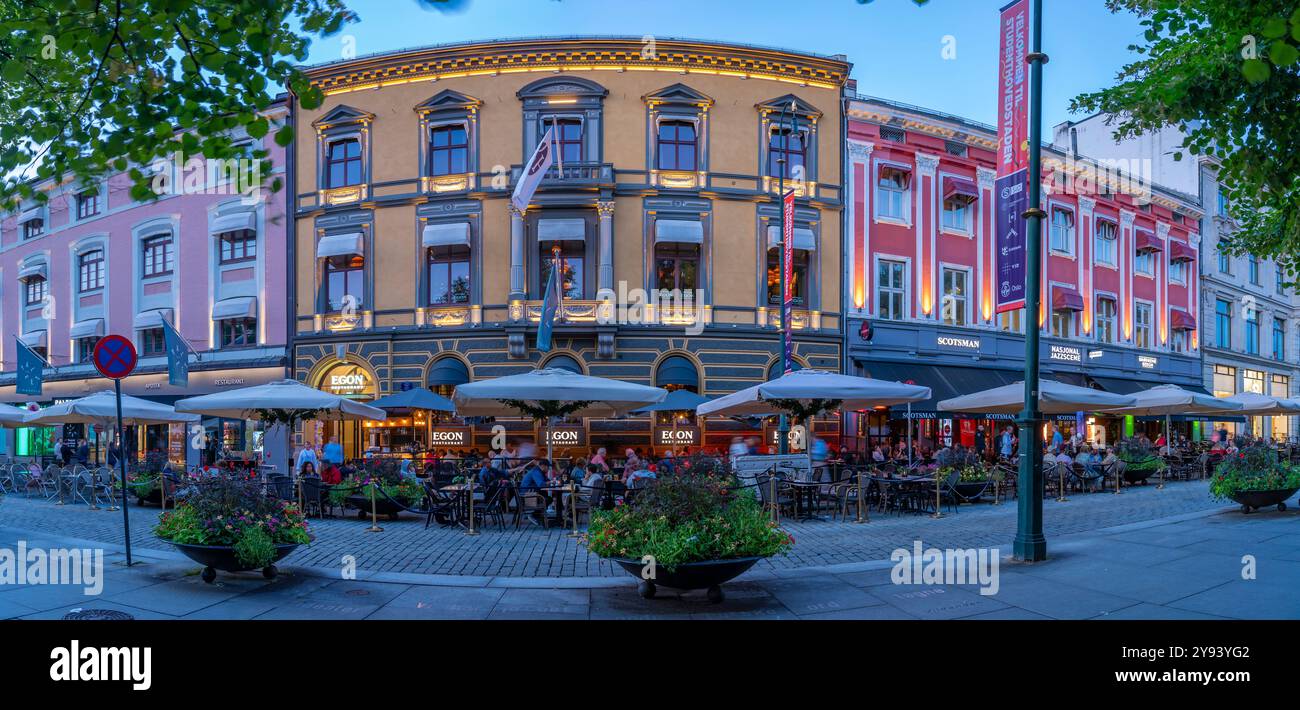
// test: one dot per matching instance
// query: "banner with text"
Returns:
(1013, 155)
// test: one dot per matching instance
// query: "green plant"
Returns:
(234, 513)
(1254, 469)
(692, 516)
(385, 474)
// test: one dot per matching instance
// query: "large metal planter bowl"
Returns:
(1254, 500)
(222, 557)
(383, 506)
(708, 575)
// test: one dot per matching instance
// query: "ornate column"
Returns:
(605, 276)
(926, 221)
(857, 252)
(1124, 255)
(516, 254)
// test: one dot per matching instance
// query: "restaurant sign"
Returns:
(794, 437)
(349, 381)
(564, 435)
(449, 436)
(1065, 353)
(681, 436)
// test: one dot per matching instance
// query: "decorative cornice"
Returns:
(1087, 204)
(1162, 230)
(605, 209)
(926, 162)
(860, 150)
(986, 177)
(512, 56)
(1126, 218)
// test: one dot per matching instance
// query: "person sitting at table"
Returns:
(631, 460)
(488, 474)
(599, 459)
(535, 478)
(666, 463)
(308, 469)
(641, 473)
(331, 475)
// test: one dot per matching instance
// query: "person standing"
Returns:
(333, 451)
(306, 455)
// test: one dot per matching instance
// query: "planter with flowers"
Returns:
(232, 525)
(1255, 478)
(394, 490)
(146, 480)
(694, 529)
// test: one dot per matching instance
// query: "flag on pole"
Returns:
(550, 305)
(30, 367)
(534, 171)
(178, 363)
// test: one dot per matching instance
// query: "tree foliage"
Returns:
(1227, 74)
(88, 87)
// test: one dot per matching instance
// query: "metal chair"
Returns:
(102, 484)
(81, 483)
(49, 482)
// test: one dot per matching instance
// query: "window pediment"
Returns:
(679, 94)
(801, 108)
(343, 115)
(448, 100)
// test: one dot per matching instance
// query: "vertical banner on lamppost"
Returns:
(1013, 156)
(787, 264)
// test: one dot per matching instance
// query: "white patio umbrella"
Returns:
(101, 408)
(1168, 400)
(549, 392)
(1259, 404)
(1053, 398)
(807, 386)
(283, 403)
(13, 417)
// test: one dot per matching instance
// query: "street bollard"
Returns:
(861, 495)
(573, 508)
(776, 505)
(1118, 481)
(1060, 486)
(938, 497)
(374, 517)
(470, 492)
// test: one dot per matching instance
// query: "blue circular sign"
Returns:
(114, 357)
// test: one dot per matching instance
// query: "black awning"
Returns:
(944, 381)
(1115, 385)
(1071, 378)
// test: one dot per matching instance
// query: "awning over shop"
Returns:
(803, 238)
(29, 214)
(339, 245)
(1178, 251)
(1071, 378)
(36, 338)
(242, 307)
(236, 222)
(152, 319)
(1066, 299)
(960, 187)
(1182, 320)
(1119, 385)
(37, 269)
(455, 234)
(945, 382)
(555, 230)
(1146, 241)
(686, 231)
(447, 371)
(91, 328)
(676, 370)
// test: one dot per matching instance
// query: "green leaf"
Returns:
(1256, 71)
(13, 71)
(1283, 54)
(284, 136)
(1274, 27)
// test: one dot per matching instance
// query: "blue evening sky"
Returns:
(894, 45)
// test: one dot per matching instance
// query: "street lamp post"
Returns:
(783, 428)
(1029, 544)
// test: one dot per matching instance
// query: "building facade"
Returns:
(412, 269)
(1119, 279)
(92, 261)
(1248, 310)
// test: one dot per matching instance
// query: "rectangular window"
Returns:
(1281, 387)
(677, 266)
(1144, 261)
(1178, 271)
(152, 342)
(1252, 381)
(891, 289)
(799, 274)
(1178, 341)
(1225, 381)
(573, 259)
(1142, 327)
(448, 150)
(1012, 321)
(1222, 323)
(1225, 259)
(568, 135)
(156, 256)
(343, 163)
(87, 204)
(1104, 243)
(1279, 279)
(1252, 331)
(957, 213)
(786, 153)
(34, 290)
(344, 282)
(1223, 205)
(33, 228)
(1279, 339)
(891, 193)
(953, 306)
(677, 145)
(237, 246)
(1062, 237)
(1105, 321)
(1253, 261)
(90, 271)
(448, 275)
(238, 332)
(1063, 324)
(86, 349)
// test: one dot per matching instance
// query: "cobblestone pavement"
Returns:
(1183, 566)
(405, 546)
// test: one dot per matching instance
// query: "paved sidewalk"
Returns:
(1183, 566)
(405, 546)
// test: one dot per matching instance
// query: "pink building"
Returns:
(1119, 285)
(93, 261)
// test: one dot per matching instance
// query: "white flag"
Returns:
(534, 171)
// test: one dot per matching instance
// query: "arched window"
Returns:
(445, 374)
(563, 362)
(677, 372)
(774, 370)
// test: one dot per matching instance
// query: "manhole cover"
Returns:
(359, 593)
(97, 615)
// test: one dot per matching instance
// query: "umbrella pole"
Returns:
(909, 434)
(1161, 486)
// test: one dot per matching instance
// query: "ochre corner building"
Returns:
(411, 269)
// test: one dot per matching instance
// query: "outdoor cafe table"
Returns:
(886, 484)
